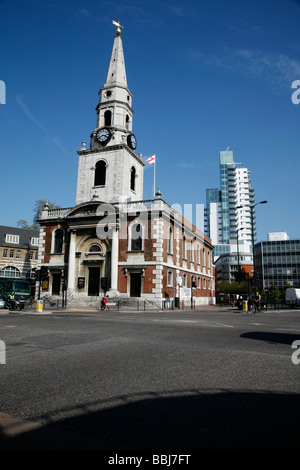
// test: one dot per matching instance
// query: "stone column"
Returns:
(114, 262)
(72, 259)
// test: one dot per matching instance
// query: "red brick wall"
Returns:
(49, 228)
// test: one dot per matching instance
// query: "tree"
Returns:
(232, 287)
(23, 224)
(37, 211)
(274, 294)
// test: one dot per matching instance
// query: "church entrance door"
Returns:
(135, 284)
(94, 282)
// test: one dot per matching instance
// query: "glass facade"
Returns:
(221, 250)
(278, 263)
(212, 195)
(227, 184)
(228, 208)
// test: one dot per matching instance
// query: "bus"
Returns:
(19, 287)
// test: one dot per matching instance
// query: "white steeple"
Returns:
(114, 110)
(111, 170)
(116, 74)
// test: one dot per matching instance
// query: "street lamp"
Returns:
(252, 233)
(237, 243)
(252, 230)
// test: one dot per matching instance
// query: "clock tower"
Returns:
(111, 171)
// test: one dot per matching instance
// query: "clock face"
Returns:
(103, 136)
(131, 140)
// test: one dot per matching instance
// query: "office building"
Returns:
(277, 261)
(227, 216)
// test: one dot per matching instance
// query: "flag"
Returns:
(151, 159)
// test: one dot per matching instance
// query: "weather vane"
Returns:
(117, 23)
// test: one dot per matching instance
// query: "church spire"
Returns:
(114, 111)
(111, 170)
(116, 74)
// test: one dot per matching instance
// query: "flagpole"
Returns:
(154, 179)
(152, 160)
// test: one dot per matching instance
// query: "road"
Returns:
(162, 381)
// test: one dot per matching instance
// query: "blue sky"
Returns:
(203, 74)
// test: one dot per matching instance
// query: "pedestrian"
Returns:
(257, 300)
(105, 302)
(102, 304)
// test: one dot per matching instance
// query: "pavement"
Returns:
(48, 310)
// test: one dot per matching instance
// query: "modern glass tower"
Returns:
(227, 212)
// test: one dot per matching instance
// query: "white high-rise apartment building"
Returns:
(227, 214)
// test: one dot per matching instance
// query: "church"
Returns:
(113, 241)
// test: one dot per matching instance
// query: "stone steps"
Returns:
(117, 303)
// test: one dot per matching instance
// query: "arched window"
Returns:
(58, 240)
(100, 173)
(107, 118)
(170, 241)
(127, 121)
(184, 248)
(136, 237)
(170, 278)
(192, 251)
(94, 249)
(132, 178)
(10, 271)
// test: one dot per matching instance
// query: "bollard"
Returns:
(39, 305)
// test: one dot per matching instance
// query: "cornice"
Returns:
(112, 148)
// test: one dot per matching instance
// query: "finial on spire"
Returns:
(117, 23)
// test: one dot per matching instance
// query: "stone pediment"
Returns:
(92, 208)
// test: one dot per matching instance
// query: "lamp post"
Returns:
(252, 232)
(238, 253)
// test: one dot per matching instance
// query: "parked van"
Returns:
(292, 297)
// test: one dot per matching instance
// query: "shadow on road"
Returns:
(283, 338)
(188, 421)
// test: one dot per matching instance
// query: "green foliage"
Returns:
(37, 211)
(274, 294)
(232, 288)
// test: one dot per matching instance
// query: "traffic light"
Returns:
(44, 273)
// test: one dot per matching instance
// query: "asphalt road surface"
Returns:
(155, 382)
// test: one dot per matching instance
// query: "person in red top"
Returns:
(105, 303)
